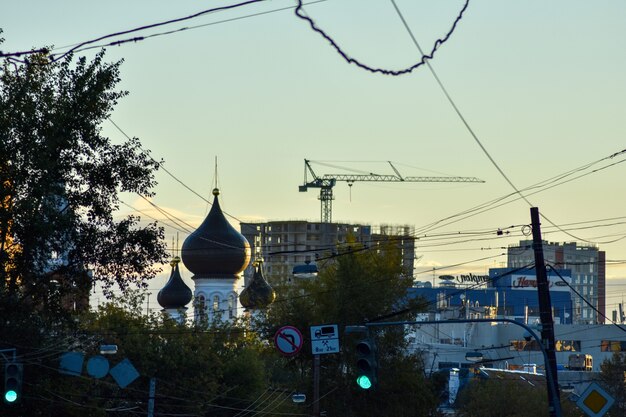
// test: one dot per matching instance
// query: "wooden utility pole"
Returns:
(545, 315)
(316, 385)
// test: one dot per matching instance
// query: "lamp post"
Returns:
(550, 379)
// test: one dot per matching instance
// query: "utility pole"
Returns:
(545, 312)
(316, 385)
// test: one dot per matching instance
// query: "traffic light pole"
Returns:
(551, 382)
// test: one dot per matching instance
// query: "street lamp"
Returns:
(474, 356)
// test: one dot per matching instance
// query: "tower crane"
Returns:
(326, 182)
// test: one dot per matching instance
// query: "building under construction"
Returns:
(288, 244)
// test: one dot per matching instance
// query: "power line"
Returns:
(471, 131)
(168, 172)
(585, 300)
(53, 58)
(350, 60)
(541, 186)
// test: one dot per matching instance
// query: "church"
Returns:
(216, 254)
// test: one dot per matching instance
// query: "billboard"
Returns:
(529, 282)
(470, 279)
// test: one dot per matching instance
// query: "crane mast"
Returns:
(326, 183)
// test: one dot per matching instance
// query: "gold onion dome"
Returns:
(215, 249)
(175, 293)
(258, 294)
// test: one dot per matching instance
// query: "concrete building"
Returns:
(289, 243)
(588, 272)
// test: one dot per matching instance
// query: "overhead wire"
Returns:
(545, 182)
(184, 399)
(300, 13)
(53, 57)
(469, 128)
(537, 187)
(585, 299)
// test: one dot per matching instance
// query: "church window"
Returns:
(200, 306)
(231, 306)
(216, 304)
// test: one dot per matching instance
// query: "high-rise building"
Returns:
(289, 243)
(588, 271)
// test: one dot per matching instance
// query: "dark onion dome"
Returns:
(258, 293)
(216, 249)
(175, 294)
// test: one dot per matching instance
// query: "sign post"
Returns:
(324, 340)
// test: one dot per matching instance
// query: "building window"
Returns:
(524, 346)
(200, 307)
(613, 346)
(216, 304)
(567, 345)
(231, 306)
(448, 365)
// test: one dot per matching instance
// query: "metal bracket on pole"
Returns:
(5, 356)
(151, 398)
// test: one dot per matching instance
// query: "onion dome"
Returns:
(175, 294)
(216, 249)
(258, 293)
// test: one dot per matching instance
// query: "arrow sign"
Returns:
(288, 340)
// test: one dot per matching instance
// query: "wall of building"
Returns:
(588, 272)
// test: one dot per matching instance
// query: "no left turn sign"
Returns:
(288, 340)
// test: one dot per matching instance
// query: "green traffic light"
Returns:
(10, 396)
(364, 382)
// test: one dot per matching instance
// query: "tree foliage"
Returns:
(217, 371)
(496, 397)
(60, 232)
(613, 376)
(356, 286)
(61, 179)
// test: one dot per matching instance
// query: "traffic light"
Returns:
(366, 364)
(12, 382)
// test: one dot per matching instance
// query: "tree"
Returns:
(217, 371)
(61, 181)
(359, 284)
(498, 396)
(613, 376)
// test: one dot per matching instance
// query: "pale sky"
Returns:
(540, 82)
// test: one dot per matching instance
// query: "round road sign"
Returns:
(288, 340)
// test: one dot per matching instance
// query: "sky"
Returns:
(541, 85)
